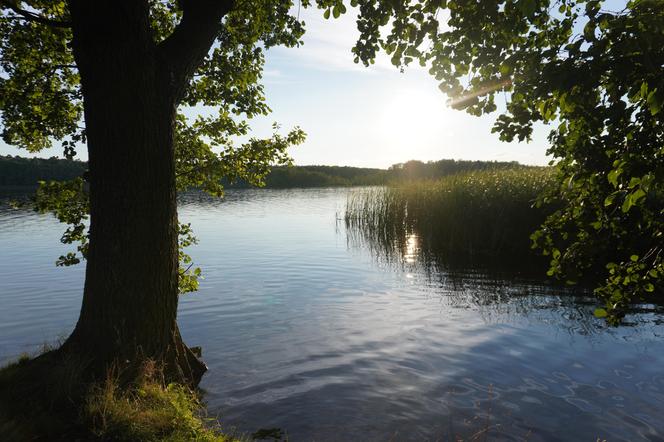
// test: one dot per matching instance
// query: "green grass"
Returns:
(150, 411)
(52, 402)
(480, 215)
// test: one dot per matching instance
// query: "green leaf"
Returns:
(609, 200)
(638, 194)
(613, 176)
(589, 31)
(326, 14)
(627, 204)
(600, 313)
(527, 7)
(654, 102)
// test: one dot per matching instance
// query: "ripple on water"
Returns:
(307, 331)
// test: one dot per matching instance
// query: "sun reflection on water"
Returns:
(411, 249)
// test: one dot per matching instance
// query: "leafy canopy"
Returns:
(42, 103)
(589, 68)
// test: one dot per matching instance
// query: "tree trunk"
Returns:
(131, 284)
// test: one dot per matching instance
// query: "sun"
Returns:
(412, 118)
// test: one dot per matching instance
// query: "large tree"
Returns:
(116, 76)
(127, 68)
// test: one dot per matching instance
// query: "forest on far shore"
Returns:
(20, 171)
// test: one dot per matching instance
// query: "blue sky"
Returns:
(371, 117)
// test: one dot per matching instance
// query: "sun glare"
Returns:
(412, 118)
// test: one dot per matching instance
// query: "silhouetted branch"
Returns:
(187, 46)
(31, 16)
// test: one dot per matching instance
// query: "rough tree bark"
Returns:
(131, 87)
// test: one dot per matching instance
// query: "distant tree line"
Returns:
(321, 176)
(18, 171)
(339, 176)
(418, 170)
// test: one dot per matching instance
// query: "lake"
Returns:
(309, 330)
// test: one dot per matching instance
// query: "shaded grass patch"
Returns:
(48, 398)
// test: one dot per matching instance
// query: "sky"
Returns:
(366, 117)
(376, 116)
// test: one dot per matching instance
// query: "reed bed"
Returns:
(479, 215)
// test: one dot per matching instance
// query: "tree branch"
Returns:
(185, 49)
(31, 16)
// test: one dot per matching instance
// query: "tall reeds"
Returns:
(480, 215)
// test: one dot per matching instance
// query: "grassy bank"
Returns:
(51, 402)
(478, 215)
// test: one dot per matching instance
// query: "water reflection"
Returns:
(316, 330)
(496, 288)
(411, 249)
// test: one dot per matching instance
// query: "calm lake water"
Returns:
(305, 329)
